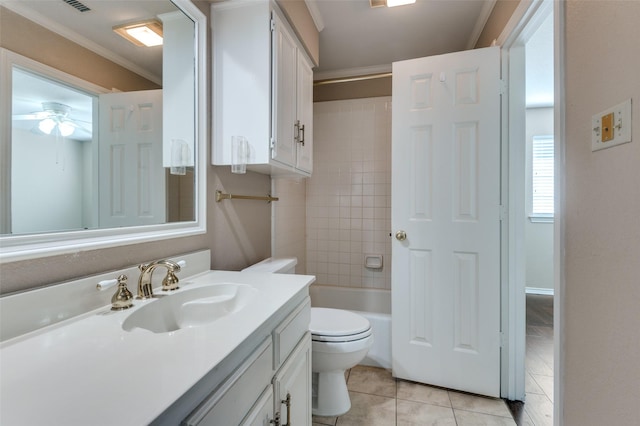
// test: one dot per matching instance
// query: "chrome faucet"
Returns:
(170, 281)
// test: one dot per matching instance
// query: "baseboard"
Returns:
(537, 290)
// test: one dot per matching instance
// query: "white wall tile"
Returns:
(349, 194)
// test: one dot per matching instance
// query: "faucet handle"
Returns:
(122, 298)
(106, 284)
(170, 281)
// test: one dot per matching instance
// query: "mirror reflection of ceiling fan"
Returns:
(55, 117)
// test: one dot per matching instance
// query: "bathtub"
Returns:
(373, 304)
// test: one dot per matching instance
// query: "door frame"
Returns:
(526, 18)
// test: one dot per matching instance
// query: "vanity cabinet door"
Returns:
(236, 397)
(262, 413)
(292, 386)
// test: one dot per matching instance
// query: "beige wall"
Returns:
(601, 372)
(300, 19)
(352, 90)
(237, 234)
(499, 17)
(289, 220)
(239, 231)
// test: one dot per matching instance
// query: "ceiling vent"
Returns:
(77, 5)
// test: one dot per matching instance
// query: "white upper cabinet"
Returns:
(304, 113)
(262, 89)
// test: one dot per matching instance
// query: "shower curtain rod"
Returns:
(350, 79)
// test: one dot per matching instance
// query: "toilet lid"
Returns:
(338, 323)
(341, 339)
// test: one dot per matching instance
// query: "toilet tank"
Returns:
(277, 265)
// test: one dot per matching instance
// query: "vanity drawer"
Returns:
(287, 335)
(237, 395)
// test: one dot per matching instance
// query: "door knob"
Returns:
(401, 235)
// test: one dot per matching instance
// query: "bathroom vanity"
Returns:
(247, 363)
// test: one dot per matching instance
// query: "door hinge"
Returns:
(273, 143)
(502, 212)
(504, 86)
(503, 339)
(273, 25)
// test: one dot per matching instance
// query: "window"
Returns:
(542, 178)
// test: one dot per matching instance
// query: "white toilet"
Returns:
(340, 340)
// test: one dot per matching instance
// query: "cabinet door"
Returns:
(262, 413)
(293, 380)
(304, 107)
(231, 402)
(284, 94)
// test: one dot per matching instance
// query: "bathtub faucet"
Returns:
(170, 281)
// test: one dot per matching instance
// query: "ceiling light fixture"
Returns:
(390, 3)
(393, 3)
(56, 118)
(146, 33)
(47, 126)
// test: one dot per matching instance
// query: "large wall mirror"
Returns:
(86, 166)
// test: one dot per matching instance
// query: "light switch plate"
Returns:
(611, 127)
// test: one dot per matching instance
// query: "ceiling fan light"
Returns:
(393, 3)
(65, 128)
(46, 126)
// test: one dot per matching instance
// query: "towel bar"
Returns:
(222, 196)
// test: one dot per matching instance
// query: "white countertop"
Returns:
(88, 370)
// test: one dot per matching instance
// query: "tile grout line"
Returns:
(396, 383)
(455, 418)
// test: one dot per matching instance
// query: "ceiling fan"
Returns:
(55, 117)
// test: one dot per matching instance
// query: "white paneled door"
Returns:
(132, 179)
(446, 220)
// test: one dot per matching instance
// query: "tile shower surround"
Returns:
(349, 193)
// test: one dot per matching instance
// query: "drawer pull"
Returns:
(287, 402)
(296, 131)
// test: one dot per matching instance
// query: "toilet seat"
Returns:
(336, 325)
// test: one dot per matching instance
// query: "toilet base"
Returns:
(330, 394)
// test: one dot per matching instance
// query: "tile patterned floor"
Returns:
(377, 399)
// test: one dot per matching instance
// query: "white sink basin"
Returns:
(190, 308)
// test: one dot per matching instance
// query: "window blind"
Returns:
(542, 179)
